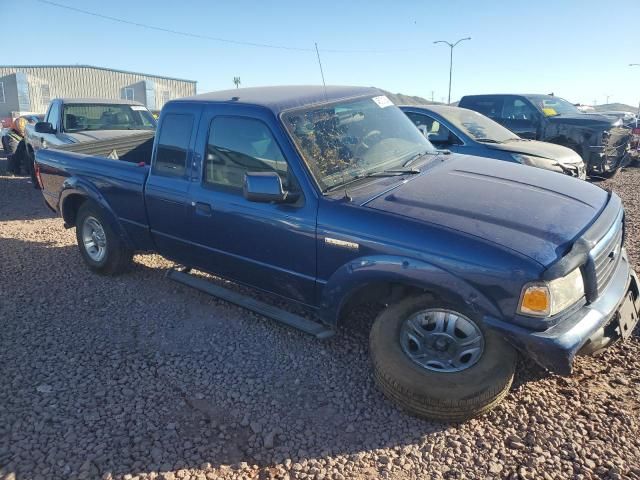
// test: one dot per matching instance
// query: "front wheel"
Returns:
(101, 248)
(438, 361)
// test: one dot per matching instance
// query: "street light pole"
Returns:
(451, 47)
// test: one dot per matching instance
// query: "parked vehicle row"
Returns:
(330, 198)
(471, 133)
(601, 141)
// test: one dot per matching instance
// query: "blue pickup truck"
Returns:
(331, 198)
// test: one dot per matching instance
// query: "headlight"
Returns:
(545, 299)
(539, 162)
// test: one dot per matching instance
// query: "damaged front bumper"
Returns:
(578, 170)
(612, 147)
(590, 328)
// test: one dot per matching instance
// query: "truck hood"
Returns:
(584, 120)
(562, 155)
(532, 211)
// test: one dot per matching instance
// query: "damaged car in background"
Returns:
(471, 133)
(600, 140)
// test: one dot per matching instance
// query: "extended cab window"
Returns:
(239, 145)
(173, 145)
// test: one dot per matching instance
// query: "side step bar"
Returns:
(300, 323)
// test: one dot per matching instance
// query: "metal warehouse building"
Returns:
(25, 88)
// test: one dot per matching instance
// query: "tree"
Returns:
(236, 81)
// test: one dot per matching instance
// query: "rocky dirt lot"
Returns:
(136, 377)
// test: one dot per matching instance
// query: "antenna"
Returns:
(346, 197)
(321, 72)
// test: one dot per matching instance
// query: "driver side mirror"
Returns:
(264, 187)
(44, 127)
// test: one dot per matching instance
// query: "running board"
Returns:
(300, 323)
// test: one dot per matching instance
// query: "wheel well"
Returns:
(377, 292)
(70, 208)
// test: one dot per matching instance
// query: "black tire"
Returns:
(441, 396)
(117, 258)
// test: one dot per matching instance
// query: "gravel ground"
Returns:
(138, 377)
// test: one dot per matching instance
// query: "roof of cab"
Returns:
(279, 99)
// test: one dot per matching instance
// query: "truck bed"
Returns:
(116, 184)
(135, 148)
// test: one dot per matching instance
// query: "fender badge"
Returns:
(341, 243)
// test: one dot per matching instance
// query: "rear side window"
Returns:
(488, 106)
(173, 145)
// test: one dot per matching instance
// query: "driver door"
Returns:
(266, 245)
(519, 116)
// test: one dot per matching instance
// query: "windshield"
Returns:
(551, 106)
(477, 126)
(350, 139)
(82, 117)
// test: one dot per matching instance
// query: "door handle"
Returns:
(203, 209)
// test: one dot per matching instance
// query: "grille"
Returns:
(606, 255)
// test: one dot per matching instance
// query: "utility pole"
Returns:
(432, 96)
(636, 65)
(451, 47)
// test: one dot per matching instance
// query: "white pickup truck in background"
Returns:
(79, 120)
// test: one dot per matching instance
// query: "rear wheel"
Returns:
(438, 361)
(101, 248)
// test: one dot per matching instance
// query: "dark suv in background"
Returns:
(601, 141)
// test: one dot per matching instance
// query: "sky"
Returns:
(579, 50)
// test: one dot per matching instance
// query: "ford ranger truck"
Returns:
(600, 140)
(331, 198)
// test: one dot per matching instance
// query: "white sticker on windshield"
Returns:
(138, 107)
(382, 101)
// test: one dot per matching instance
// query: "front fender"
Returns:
(362, 271)
(73, 187)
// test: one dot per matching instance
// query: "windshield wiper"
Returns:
(382, 173)
(418, 156)
(487, 140)
(394, 172)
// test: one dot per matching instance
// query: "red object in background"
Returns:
(6, 122)
(636, 131)
(39, 177)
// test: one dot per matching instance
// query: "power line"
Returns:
(169, 30)
(206, 37)
(321, 71)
